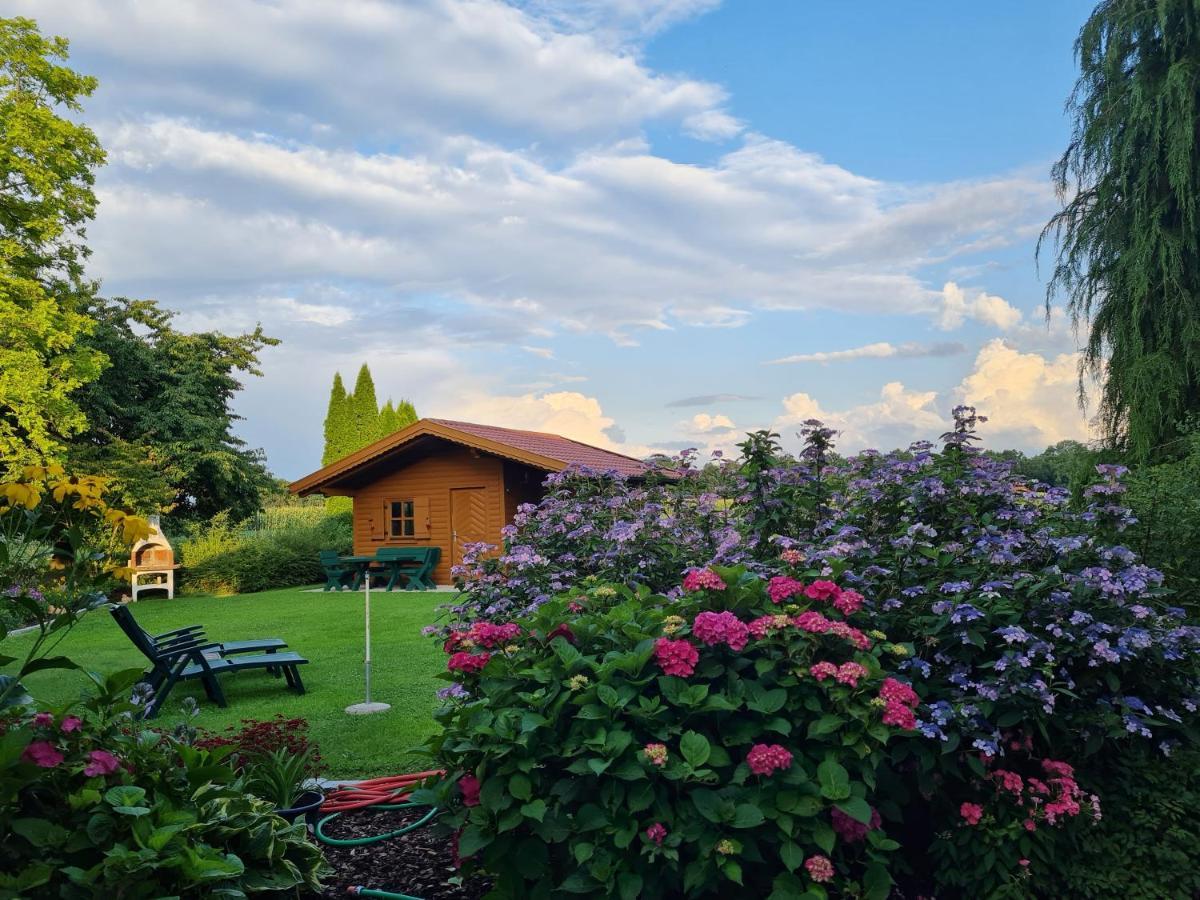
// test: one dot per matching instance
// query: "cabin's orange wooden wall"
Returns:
(432, 477)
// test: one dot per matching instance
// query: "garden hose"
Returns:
(391, 895)
(388, 793)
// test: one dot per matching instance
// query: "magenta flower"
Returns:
(42, 753)
(721, 628)
(676, 657)
(71, 723)
(781, 587)
(43, 719)
(763, 759)
(850, 672)
(698, 579)
(469, 785)
(102, 763)
(822, 590)
(656, 833)
(823, 670)
(971, 812)
(467, 662)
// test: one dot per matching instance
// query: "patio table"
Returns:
(362, 565)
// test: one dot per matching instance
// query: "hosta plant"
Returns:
(621, 743)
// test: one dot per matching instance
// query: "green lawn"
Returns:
(327, 629)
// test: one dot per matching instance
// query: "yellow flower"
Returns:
(24, 494)
(897, 649)
(726, 847)
(672, 624)
(878, 635)
(578, 682)
(511, 648)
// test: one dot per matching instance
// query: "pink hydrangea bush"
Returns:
(721, 739)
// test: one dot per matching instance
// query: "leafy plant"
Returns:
(621, 743)
(91, 805)
(278, 776)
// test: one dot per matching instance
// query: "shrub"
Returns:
(602, 526)
(621, 743)
(258, 737)
(278, 549)
(90, 805)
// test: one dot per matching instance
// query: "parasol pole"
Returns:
(367, 707)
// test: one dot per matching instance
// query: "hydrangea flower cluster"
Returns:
(899, 702)
(726, 628)
(676, 657)
(703, 579)
(470, 663)
(763, 759)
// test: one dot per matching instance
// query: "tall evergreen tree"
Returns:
(364, 410)
(335, 421)
(388, 421)
(406, 414)
(1128, 236)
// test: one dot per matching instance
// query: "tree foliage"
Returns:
(354, 420)
(1128, 236)
(47, 165)
(160, 416)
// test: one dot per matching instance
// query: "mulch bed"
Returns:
(418, 863)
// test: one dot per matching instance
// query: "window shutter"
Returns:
(421, 517)
(379, 526)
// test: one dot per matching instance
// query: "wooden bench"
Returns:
(414, 563)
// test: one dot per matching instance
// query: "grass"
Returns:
(327, 629)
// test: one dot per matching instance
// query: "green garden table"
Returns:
(362, 565)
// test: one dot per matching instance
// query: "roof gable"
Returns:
(541, 450)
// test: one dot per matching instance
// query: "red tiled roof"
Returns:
(549, 452)
(552, 446)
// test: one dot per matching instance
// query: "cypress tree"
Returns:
(406, 413)
(364, 411)
(388, 421)
(335, 419)
(1128, 236)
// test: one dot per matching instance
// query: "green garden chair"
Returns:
(337, 574)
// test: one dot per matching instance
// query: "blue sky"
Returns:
(642, 223)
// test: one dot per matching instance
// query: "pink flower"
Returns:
(819, 868)
(656, 833)
(850, 829)
(1055, 767)
(1029, 825)
(698, 579)
(721, 628)
(822, 590)
(562, 630)
(823, 670)
(792, 557)
(656, 754)
(575, 606)
(971, 812)
(781, 587)
(812, 621)
(469, 785)
(850, 633)
(42, 753)
(71, 723)
(763, 759)
(676, 657)
(1038, 786)
(488, 635)
(849, 673)
(848, 602)
(900, 716)
(894, 691)
(1010, 781)
(765, 625)
(468, 662)
(102, 763)
(43, 719)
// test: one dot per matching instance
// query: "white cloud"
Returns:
(986, 308)
(878, 350)
(898, 418)
(617, 21)
(614, 241)
(316, 313)
(540, 352)
(315, 67)
(703, 423)
(1030, 400)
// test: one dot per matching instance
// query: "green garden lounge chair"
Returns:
(337, 574)
(183, 655)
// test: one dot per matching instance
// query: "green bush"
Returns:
(93, 805)
(278, 548)
(1145, 847)
(623, 744)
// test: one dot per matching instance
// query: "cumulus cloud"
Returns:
(1030, 400)
(703, 423)
(981, 306)
(879, 350)
(896, 419)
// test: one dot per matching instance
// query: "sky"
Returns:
(644, 224)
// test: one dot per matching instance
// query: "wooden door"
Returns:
(468, 520)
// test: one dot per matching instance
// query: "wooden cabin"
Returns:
(446, 484)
